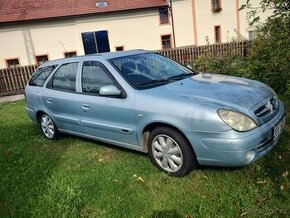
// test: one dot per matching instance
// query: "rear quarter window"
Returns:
(40, 75)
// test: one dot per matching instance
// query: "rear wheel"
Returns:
(170, 152)
(48, 127)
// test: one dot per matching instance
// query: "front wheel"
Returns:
(170, 152)
(48, 127)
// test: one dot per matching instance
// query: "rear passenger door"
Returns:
(107, 118)
(35, 87)
(61, 100)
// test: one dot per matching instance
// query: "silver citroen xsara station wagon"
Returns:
(146, 102)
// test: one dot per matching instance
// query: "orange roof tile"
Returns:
(24, 10)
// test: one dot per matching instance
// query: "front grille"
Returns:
(268, 108)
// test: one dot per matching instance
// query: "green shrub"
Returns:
(269, 55)
(272, 72)
(229, 65)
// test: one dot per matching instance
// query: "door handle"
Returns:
(85, 106)
(49, 100)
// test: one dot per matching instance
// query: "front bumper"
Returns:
(231, 147)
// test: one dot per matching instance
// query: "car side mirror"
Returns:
(110, 90)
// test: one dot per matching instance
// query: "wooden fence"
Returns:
(13, 81)
(186, 54)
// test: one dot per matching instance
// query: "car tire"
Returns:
(170, 152)
(47, 126)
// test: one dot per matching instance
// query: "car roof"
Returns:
(98, 56)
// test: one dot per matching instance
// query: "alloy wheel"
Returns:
(167, 153)
(47, 126)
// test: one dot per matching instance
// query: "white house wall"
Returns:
(133, 30)
(206, 20)
(234, 23)
(183, 22)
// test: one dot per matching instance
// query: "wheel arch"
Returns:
(149, 127)
(38, 114)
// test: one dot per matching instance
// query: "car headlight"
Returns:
(236, 120)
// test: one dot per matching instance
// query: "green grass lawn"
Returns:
(75, 177)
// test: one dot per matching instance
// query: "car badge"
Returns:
(270, 106)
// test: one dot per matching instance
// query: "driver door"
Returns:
(107, 118)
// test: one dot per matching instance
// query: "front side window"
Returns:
(149, 70)
(94, 76)
(40, 76)
(65, 77)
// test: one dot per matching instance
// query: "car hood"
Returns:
(225, 91)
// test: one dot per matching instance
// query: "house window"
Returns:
(252, 35)
(12, 63)
(40, 59)
(217, 34)
(70, 54)
(166, 41)
(163, 15)
(216, 5)
(120, 48)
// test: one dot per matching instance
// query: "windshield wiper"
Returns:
(153, 82)
(180, 76)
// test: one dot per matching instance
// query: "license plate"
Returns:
(278, 128)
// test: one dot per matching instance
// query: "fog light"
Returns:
(250, 156)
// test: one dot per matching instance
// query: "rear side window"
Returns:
(94, 76)
(65, 77)
(40, 76)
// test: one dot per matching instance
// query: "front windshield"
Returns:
(150, 70)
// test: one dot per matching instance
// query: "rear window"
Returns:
(40, 76)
